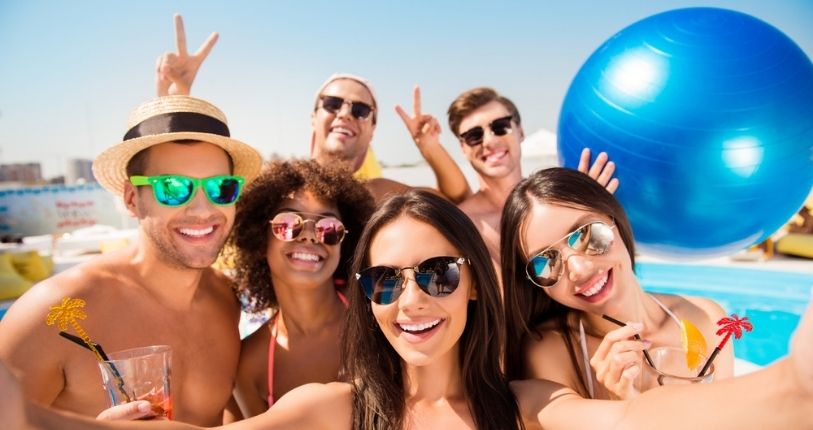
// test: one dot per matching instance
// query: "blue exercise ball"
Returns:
(708, 115)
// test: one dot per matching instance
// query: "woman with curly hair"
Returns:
(294, 234)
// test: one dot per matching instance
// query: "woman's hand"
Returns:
(617, 361)
(137, 410)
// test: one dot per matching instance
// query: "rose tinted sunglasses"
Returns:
(177, 190)
(287, 226)
(333, 104)
(436, 276)
(545, 268)
(500, 127)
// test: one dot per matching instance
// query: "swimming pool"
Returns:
(773, 300)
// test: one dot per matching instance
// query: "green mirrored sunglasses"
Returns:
(177, 190)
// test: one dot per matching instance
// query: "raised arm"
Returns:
(779, 396)
(175, 71)
(425, 132)
(311, 406)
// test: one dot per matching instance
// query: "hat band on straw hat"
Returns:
(178, 122)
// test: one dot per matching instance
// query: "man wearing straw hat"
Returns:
(177, 171)
(343, 121)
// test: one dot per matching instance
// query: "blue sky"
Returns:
(70, 71)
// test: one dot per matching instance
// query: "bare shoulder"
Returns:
(547, 357)
(83, 281)
(534, 396)
(312, 406)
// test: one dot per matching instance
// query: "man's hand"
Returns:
(423, 128)
(602, 170)
(175, 71)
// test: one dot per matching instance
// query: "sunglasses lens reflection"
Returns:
(437, 277)
(287, 226)
(545, 268)
(329, 231)
(173, 190)
(223, 190)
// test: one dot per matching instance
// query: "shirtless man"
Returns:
(343, 120)
(489, 129)
(160, 290)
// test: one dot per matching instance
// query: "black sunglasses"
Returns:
(500, 127)
(333, 104)
(436, 276)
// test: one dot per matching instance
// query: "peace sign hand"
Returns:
(175, 72)
(424, 128)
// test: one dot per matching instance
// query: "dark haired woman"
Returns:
(568, 258)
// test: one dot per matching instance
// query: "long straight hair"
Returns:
(374, 367)
(527, 306)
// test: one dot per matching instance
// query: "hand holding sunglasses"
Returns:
(436, 276)
(500, 127)
(178, 190)
(287, 226)
(333, 104)
(545, 268)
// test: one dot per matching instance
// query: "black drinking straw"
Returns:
(708, 362)
(119, 380)
(636, 336)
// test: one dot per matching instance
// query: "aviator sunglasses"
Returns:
(333, 104)
(436, 276)
(500, 127)
(545, 268)
(287, 226)
(177, 190)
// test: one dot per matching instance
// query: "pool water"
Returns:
(772, 300)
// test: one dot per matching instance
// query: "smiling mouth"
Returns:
(196, 232)
(495, 156)
(343, 131)
(597, 287)
(305, 257)
(420, 327)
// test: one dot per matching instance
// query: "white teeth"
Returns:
(342, 130)
(495, 156)
(304, 256)
(196, 232)
(596, 288)
(419, 327)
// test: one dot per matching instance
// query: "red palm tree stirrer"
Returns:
(728, 326)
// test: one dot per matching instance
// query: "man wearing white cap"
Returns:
(343, 121)
(179, 173)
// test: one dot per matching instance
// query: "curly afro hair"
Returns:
(260, 202)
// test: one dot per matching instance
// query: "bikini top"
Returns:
(272, 346)
(588, 373)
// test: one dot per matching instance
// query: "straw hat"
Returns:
(167, 119)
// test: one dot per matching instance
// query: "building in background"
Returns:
(23, 173)
(80, 170)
